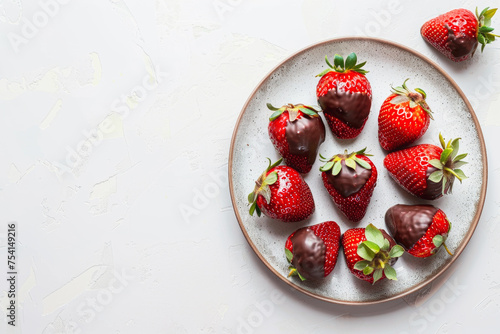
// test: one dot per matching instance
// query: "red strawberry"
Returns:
(345, 95)
(420, 229)
(456, 34)
(296, 132)
(312, 251)
(350, 180)
(427, 171)
(404, 117)
(281, 193)
(370, 253)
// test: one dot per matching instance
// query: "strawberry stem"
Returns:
(447, 250)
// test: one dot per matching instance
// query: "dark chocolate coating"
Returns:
(349, 181)
(350, 108)
(460, 46)
(308, 254)
(304, 135)
(409, 223)
(434, 189)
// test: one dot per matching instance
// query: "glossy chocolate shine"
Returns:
(460, 46)
(304, 135)
(408, 223)
(351, 108)
(308, 254)
(349, 181)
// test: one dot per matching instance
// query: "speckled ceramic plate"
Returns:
(294, 81)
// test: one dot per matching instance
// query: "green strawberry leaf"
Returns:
(436, 163)
(277, 163)
(377, 274)
(350, 163)
(445, 154)
(482, 41)
(271, 107)
(351, 60)
(362, 163)
(485, 29)
(460, 157)
(336, 168)
(459, 164)
(387, 245)
(361, 265)
(302, 278)
(396, 251)
(436, 176)
(327, 166)
(328, 63)
(460, 175)
(374, 235)
(251, 197)
(252, 208)
(309, 112)
(289, 255)
(325, 71)
(372, 246)
(438, 240)
(275, 115)
(271, 178)
(421, 91)
(339, 62)
(368, 270)
(365, 252)
(390, 273)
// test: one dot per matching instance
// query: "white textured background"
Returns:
(116, 118)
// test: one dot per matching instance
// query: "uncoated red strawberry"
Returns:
(281, 193)
(296, 132)
(350, 180)
(427, 171)
(420, 229)
(457, 33)
(370, 253)
(345, 96)
(404, 117)
(312, 251)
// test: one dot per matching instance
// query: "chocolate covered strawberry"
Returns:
(457, 33)
(350, 180)
(420, 229)
(370, 253)
(427, 171)
(281, 193)
(345, 96)
(312, 251)
(296, 132)
(404, 117)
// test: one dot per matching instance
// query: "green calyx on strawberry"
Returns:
(281, 193)
(335, 163)
(484, 35)
(312, 251)
(457, 33)
(340, 66)
(350, 180)
(262, 187)
(448, 165)
(293, 111)
(415, 98)
(296, 131)
(376, 253)
(345, 96)
(420, 229)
